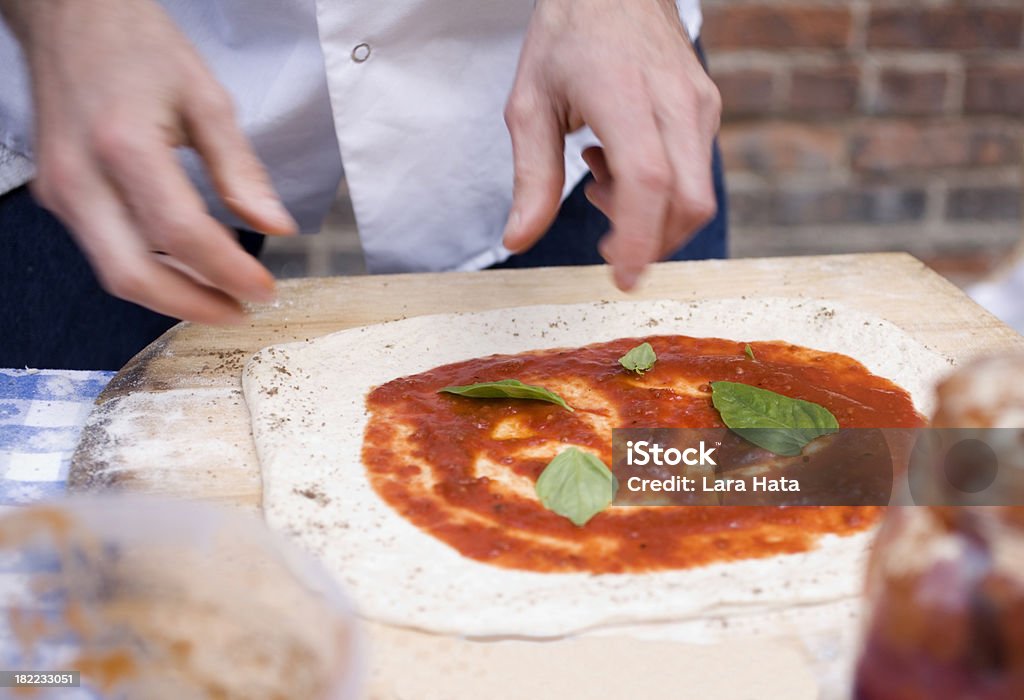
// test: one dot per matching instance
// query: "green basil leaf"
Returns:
(749, 351)
(775, 422)
(640, 359)
(576, 485)
(507, 389)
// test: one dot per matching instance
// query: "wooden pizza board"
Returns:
(173, 422)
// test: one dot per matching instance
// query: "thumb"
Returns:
(538, 150)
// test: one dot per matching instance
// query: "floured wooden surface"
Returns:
(189, 440)
(173, 421)
(202, 359)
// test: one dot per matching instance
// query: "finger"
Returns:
(689, 149)
(680, 224)
(237, 173)
(642, 179)
(103, 229)
(538, 149)
(598, 164)
(172, 217)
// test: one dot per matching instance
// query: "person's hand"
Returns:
(116, 88)
(627, 70)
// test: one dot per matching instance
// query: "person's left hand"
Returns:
(629, 72)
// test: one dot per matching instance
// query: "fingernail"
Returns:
(265, 296)
(276, 212)
(265, 291)
(626, 278)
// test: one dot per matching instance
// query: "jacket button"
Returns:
(360, 53)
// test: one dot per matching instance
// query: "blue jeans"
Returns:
(53, 312)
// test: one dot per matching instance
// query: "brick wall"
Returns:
(856, 125)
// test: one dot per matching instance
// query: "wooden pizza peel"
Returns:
(173, 422)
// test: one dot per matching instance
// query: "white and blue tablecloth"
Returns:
(42, 413)
(41, 417)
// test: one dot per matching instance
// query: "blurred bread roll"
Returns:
(988, 393)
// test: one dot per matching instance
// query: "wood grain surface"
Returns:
(174, 422)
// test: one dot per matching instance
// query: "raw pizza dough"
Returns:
(307, 402)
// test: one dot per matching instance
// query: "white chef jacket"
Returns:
(409, 95)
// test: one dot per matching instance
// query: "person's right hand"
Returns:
(117, 87)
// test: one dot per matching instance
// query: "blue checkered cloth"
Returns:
(41, 417)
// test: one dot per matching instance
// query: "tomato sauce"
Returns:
(463, 469)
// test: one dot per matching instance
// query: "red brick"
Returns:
(958, 27)
(824, 91)
(995, 89)
(910, 92)
(776, 27)
(745, 92)
(888, 146)
(778, 147)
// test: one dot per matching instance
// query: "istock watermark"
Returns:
(854, 467)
